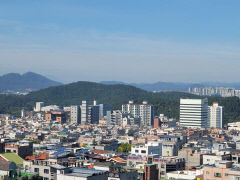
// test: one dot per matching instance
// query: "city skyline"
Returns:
(123, 90)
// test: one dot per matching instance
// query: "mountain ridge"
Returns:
(72, 94)
(28, 80)
(174, 86)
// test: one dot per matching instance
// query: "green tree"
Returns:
(120, 149)
(84, 145)
(125, 147)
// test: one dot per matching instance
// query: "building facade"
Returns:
(38, 106)
(75, 115)
(215, 116)
(143, 111)
(84, 112)
(194, 113)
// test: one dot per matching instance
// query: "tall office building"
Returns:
(75, 115)
(143, 111)
(215, 116)
(194, 113)
(84, 112)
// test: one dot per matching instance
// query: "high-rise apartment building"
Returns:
(143, 111)
(84, 112)
(75, 115)
(194, 113)
(94, 114)
(109, 117)
(117, 117)
(39, 106)
(103, 108)
(215, 116)
(114, 117)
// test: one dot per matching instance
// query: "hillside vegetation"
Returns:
(115, 95)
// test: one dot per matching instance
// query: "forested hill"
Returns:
(115, 95)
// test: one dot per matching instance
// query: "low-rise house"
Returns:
(191, 174)
(81, 174)
(164, 164)
(12, 157)
(133, 175)
(192, 157)
(108, 145)
(102, 153)
(219, 170)
(42, 165)
(213, 158)
(22, 148)
(147, 149)
(8, 169)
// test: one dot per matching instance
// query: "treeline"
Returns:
(72, 94)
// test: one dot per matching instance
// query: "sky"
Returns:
(122, 40)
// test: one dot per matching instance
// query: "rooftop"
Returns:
(85, 172)
(13, 157)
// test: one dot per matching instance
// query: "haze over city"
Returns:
(119, 90)
(130, 41)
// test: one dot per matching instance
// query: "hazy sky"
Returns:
(124, 40)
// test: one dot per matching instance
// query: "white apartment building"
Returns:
(147, 149)
(84, 112)
(215, 116)
(50, 108)
(194, 113)
(38, 106)
(41, 108)
(75, 115)
(143, 111)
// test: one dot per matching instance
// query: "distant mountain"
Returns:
(112, 82)
(166, 86)
(174, 86)
(29, 80)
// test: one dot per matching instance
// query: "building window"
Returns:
(226, 174)
(136, 151)
(45, 178)
(162, 172)
(162, 166)
(207, 172)
(143, 151)
(237, 178)
(217, 175)
(36, 170)
(46, 171)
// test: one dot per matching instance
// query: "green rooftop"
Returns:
(13, 158)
